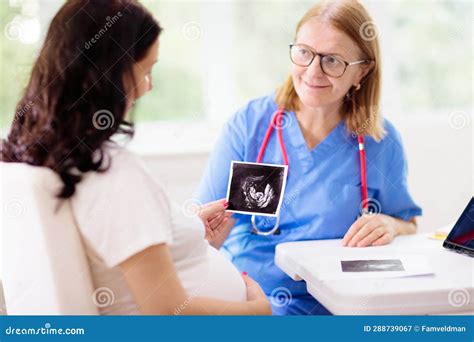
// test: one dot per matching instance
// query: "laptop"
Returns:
(461, 237)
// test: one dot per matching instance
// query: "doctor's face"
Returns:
(313, 86)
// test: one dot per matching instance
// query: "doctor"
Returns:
(344, 159)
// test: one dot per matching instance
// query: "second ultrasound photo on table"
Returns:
(256, 188)
(372, 265)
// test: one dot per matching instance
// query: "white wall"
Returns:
(440, 165)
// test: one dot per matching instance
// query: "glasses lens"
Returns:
(332, 66)
(300, 55)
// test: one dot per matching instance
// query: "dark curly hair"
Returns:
(75, 100)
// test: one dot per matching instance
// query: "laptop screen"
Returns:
(462, 233)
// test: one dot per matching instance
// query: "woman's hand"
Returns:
(216, 221)
(376, 230)
(213, 215)
(256, 296)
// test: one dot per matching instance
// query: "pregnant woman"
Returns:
(96, 61)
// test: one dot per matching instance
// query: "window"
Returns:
(217, 55)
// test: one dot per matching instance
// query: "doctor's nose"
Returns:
(314, 69)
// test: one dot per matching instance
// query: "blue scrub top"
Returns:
(322, 196)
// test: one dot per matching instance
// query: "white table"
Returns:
(449, 291)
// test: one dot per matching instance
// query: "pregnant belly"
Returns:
(214, 277)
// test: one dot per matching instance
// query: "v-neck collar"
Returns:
(332, 139)
(293, 136)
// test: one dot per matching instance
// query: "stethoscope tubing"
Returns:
(276, 122)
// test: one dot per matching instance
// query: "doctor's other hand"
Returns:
(371, 230)
(256, 295)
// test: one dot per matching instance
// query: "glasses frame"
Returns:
(321, 56)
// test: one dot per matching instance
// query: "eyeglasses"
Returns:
(332, 66)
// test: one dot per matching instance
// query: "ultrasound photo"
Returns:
(371, 265)
(256, 188)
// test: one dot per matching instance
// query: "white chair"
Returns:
(45, 269)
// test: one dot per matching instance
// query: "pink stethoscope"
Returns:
(277, 122)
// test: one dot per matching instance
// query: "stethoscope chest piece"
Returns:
(274, 231)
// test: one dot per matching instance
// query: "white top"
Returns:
(123, 211)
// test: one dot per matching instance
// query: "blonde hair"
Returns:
(361, 107)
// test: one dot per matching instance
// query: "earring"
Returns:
(357, 87)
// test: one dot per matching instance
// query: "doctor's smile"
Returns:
(292, 197)
(315, 86)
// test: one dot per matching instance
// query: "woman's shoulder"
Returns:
(122, 169)
(120, 156)
(122, 186)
